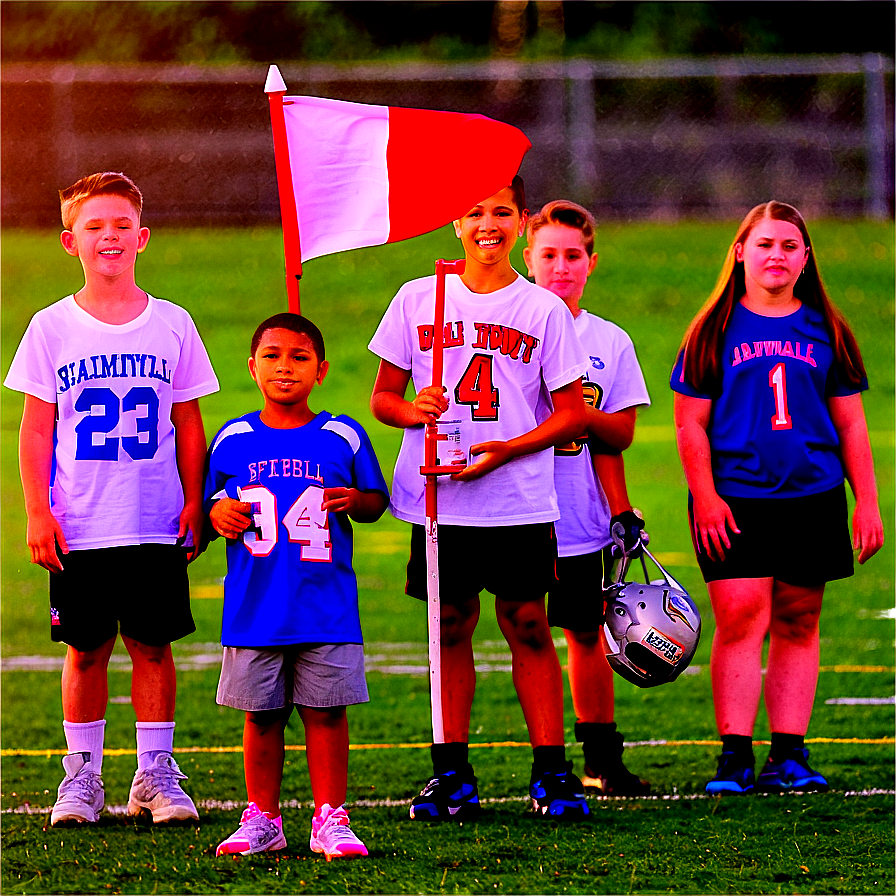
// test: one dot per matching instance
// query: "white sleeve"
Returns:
(32, 369)
(628, 388)
(194, 376)
(565, 360)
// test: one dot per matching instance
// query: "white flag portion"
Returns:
(365, 175)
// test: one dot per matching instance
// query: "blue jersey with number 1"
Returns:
(770, 429)
(289, 576)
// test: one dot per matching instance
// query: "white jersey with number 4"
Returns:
(505, 352)
(115, 479)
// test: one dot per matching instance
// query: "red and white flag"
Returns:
(365, 175)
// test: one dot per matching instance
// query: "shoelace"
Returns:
(338, 829)
(85, 784)
(156, 777)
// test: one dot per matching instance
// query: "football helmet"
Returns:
(652, 629)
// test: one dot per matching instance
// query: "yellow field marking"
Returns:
(300, 748)
(888, 669)
(207, 592)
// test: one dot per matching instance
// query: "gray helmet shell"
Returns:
(652, 630)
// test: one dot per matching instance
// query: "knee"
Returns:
(457, 624)
(268, 718)
(526, 624)
(153, 654)
(583, 640)
(795, 625)
(82, 661)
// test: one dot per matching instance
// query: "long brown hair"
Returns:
(702, 343)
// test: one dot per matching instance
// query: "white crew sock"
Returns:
(86, 737)
(153, 738)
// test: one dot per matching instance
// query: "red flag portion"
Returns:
(442, 163)
(366, 175)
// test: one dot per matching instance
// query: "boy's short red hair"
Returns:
(104, 183)
(570, 214)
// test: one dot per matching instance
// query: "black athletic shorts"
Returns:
(143, 588)
(801, 541)
(512, 562)
(576, 600)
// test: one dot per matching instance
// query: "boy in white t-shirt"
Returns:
(111, 455)
(512, 368)
(590, 480)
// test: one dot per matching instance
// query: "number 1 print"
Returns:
(777, 379)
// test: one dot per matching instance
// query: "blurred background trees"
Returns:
(224, 32)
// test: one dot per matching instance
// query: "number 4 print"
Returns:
(305, 521)
(777, 379)
(477, 389)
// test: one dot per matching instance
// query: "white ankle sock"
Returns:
(153, 737)
(86, 737)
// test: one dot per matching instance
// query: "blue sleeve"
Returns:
(366, 474)
(678, 383)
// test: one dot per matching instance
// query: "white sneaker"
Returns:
(258, 832)
(157, 789)
(331, 834)
(81, 796)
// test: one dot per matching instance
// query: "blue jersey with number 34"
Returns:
(770, 429)
(289, 575)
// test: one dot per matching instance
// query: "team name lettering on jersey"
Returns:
(275, 467)
(98, 367)
(772, 348)
(494, 337)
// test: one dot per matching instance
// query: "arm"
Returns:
(613, 432)
(389, 405)
(610, 471)
(191, 446)
(362, 507)
(565, 422)
(35, 462)
(848, 416)
(712, 516)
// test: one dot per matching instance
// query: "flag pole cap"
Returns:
(275, 82)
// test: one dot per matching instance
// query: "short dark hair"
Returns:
(297, 324)
(570, 214)
(103, 183)
(518, 188)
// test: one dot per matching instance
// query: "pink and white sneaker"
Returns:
(331, 834)
(258, 832)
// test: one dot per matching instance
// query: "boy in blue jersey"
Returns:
(282, 486)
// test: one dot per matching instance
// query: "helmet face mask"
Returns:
(652, 630)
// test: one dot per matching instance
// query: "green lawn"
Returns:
(651, 279)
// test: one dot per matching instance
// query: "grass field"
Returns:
(650, 280)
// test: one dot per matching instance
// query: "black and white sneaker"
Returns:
(451, 795)
(558, 795)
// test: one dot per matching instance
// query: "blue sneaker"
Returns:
(559, 795)
(734, 775)
(791, 773)
(449, 795)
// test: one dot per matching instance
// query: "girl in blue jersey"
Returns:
(769, 420)
(283, 484)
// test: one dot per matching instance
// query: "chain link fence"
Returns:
(668, 139)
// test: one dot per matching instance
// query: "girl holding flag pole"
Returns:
(513, 366)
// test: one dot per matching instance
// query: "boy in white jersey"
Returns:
(283, 484)
(513, 367)
(111, 453)
(591, 488)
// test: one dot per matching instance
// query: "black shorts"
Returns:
(144, 588)
(513, 562)
(576, 600)
(801, 541)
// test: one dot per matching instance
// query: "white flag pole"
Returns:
(431, 470)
